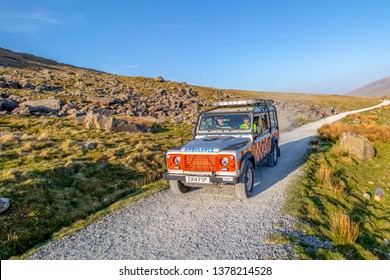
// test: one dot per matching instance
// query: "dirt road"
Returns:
(206, 223)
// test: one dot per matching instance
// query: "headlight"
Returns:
(224, 161)
(177, 160)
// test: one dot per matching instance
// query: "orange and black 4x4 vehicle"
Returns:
(230, 140)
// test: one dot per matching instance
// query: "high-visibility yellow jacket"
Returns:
(245, 126)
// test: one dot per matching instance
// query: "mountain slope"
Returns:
(25, 78)
(375, 89)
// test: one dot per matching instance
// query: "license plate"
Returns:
(197, 179)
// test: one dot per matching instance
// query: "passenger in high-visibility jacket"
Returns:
(247, 125)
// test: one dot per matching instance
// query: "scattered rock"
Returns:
(367, 196)
(4, 204)
(39, 107)
(45, 104)
(110, 124)
(356, 121)
(379, 194)
(3, 83)
(7, 104)
(89, 145)
(357, 146)
(159, 79)
(103, 100)
(385, 242)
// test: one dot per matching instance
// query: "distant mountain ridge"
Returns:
(10, 58)
(375, 89)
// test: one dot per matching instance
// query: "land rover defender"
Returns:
(229, 141)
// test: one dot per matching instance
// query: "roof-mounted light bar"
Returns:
(244, 102)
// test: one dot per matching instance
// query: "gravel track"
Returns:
(206, 223)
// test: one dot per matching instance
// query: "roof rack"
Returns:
(254, 102)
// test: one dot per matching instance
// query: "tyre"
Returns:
(178, 187)
(245, 188)
(272, 159)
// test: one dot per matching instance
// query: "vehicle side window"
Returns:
(264, 123)
(272, 119)
(256, 122)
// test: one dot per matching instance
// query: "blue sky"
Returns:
(321, 46)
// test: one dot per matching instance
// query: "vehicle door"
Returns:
(262, 136)
(274, 124)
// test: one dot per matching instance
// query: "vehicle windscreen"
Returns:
(225, 122)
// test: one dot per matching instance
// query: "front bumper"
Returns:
(213, 179)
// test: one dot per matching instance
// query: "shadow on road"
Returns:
(292, 157)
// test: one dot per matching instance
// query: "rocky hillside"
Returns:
(34, 86)
(375, 89)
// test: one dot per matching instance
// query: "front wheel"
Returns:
(178, 187)
(245, 188)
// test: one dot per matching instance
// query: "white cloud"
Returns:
(18, 22)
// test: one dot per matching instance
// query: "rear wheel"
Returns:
(272, 159)
(245, 188)
(178, 187)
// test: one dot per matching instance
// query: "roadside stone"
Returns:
(357, 146)
(379, 194)
(4, 204)
(367, 196)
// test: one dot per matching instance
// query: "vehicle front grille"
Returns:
(198, 162)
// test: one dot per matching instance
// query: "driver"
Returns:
(247, 124)
(221, 122)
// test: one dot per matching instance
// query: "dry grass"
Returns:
(373, 132)
(373, 126)
(330, 179)
(325, 176)
(344, 230)
(8, 139)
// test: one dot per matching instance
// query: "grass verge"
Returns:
(334, 200)
(55, 178)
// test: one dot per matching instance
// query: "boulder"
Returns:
(7, 104)
(14, 85)
(110, 124)
(39, 107)
(159, 79)
(48, 105)
(103, 100)
(3, 83)
(4, 204)
(357, 146)
(367, 196)
(379, 194)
